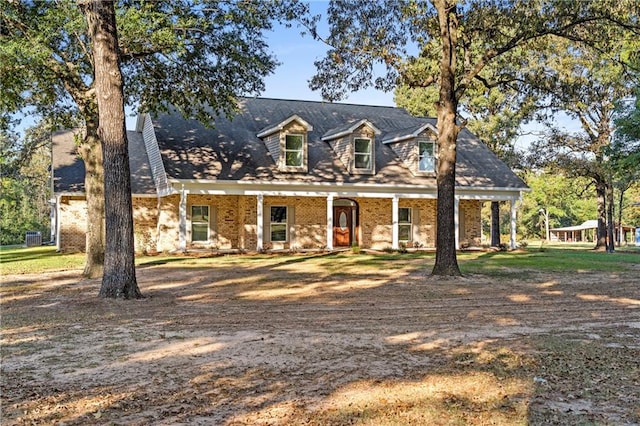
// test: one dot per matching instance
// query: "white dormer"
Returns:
(287, 143)
(354, 143)
(416, 146)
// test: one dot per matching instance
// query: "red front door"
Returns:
(342, 226)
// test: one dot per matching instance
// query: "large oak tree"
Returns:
(459, 39)
(197, 55)
(119, 278)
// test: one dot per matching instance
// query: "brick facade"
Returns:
(233, 222)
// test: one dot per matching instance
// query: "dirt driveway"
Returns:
(322, 340)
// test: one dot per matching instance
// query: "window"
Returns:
(362, 153)
(278, 224)
(199, 223)
(427, 157)
(293, 150)
(404, 224)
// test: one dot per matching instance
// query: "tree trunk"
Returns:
(495, 224)
(119, 277)
(446, 260)
(601, 232)
(621, 235)
(610, 221)
(91, 153)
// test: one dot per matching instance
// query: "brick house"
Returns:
(289, 175)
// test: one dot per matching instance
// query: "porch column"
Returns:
(456, 219)
(394, 222)
(329, 222)
(58, 222)
(513, 224)
(259, 225)
(182, 217)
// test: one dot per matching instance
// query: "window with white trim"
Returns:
(426, 156)
(294, 150)
(404, 224)
(362, 153)
(199, 223)
(278, 224)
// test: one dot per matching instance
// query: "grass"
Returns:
(550, 260)
(556, 258)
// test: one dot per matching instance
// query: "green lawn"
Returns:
(556, 258)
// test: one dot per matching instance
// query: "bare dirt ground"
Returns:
(296, 340)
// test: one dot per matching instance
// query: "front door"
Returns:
(342, 225)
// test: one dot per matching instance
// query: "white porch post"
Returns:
(259, 225)
(513, 225)
(182, 217)
(394, 222)
(58, 223)
(456, 219)
(329, 222)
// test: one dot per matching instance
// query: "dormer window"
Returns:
(294, 150)
(354, 143)
(416, 146)
(287, 143)
(426, 156)
(362, 153)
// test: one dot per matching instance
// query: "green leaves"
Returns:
(189, 53)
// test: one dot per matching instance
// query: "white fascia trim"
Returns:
(352, 129)
(140, 118)
(69, 194)
(323, 189)
(278, 127)
(412, 135)
(82, 194)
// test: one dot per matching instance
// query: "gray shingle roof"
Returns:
(68, 168)
(232, 151)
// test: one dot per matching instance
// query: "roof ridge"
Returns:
(320, 102)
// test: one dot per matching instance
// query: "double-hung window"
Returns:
(294, 150)
(278, 224)
(404, 224)
(362, 153)
(199, 223)
(426, 156)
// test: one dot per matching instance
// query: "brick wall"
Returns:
(145, 224)
(73, 224)
(375, 222)
(169, 224)
(307, 226)
(471, 211)
(233, 222)
(424, 221)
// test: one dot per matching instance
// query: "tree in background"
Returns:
(195, 55)
(24, 184)
(585, 83)
(459, 40)
(567, 201)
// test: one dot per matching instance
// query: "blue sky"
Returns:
(297, 55)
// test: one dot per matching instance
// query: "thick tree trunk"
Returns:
(119, 278)
(495, 224)
(91, 153)
(601, 232)
(446, 260)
